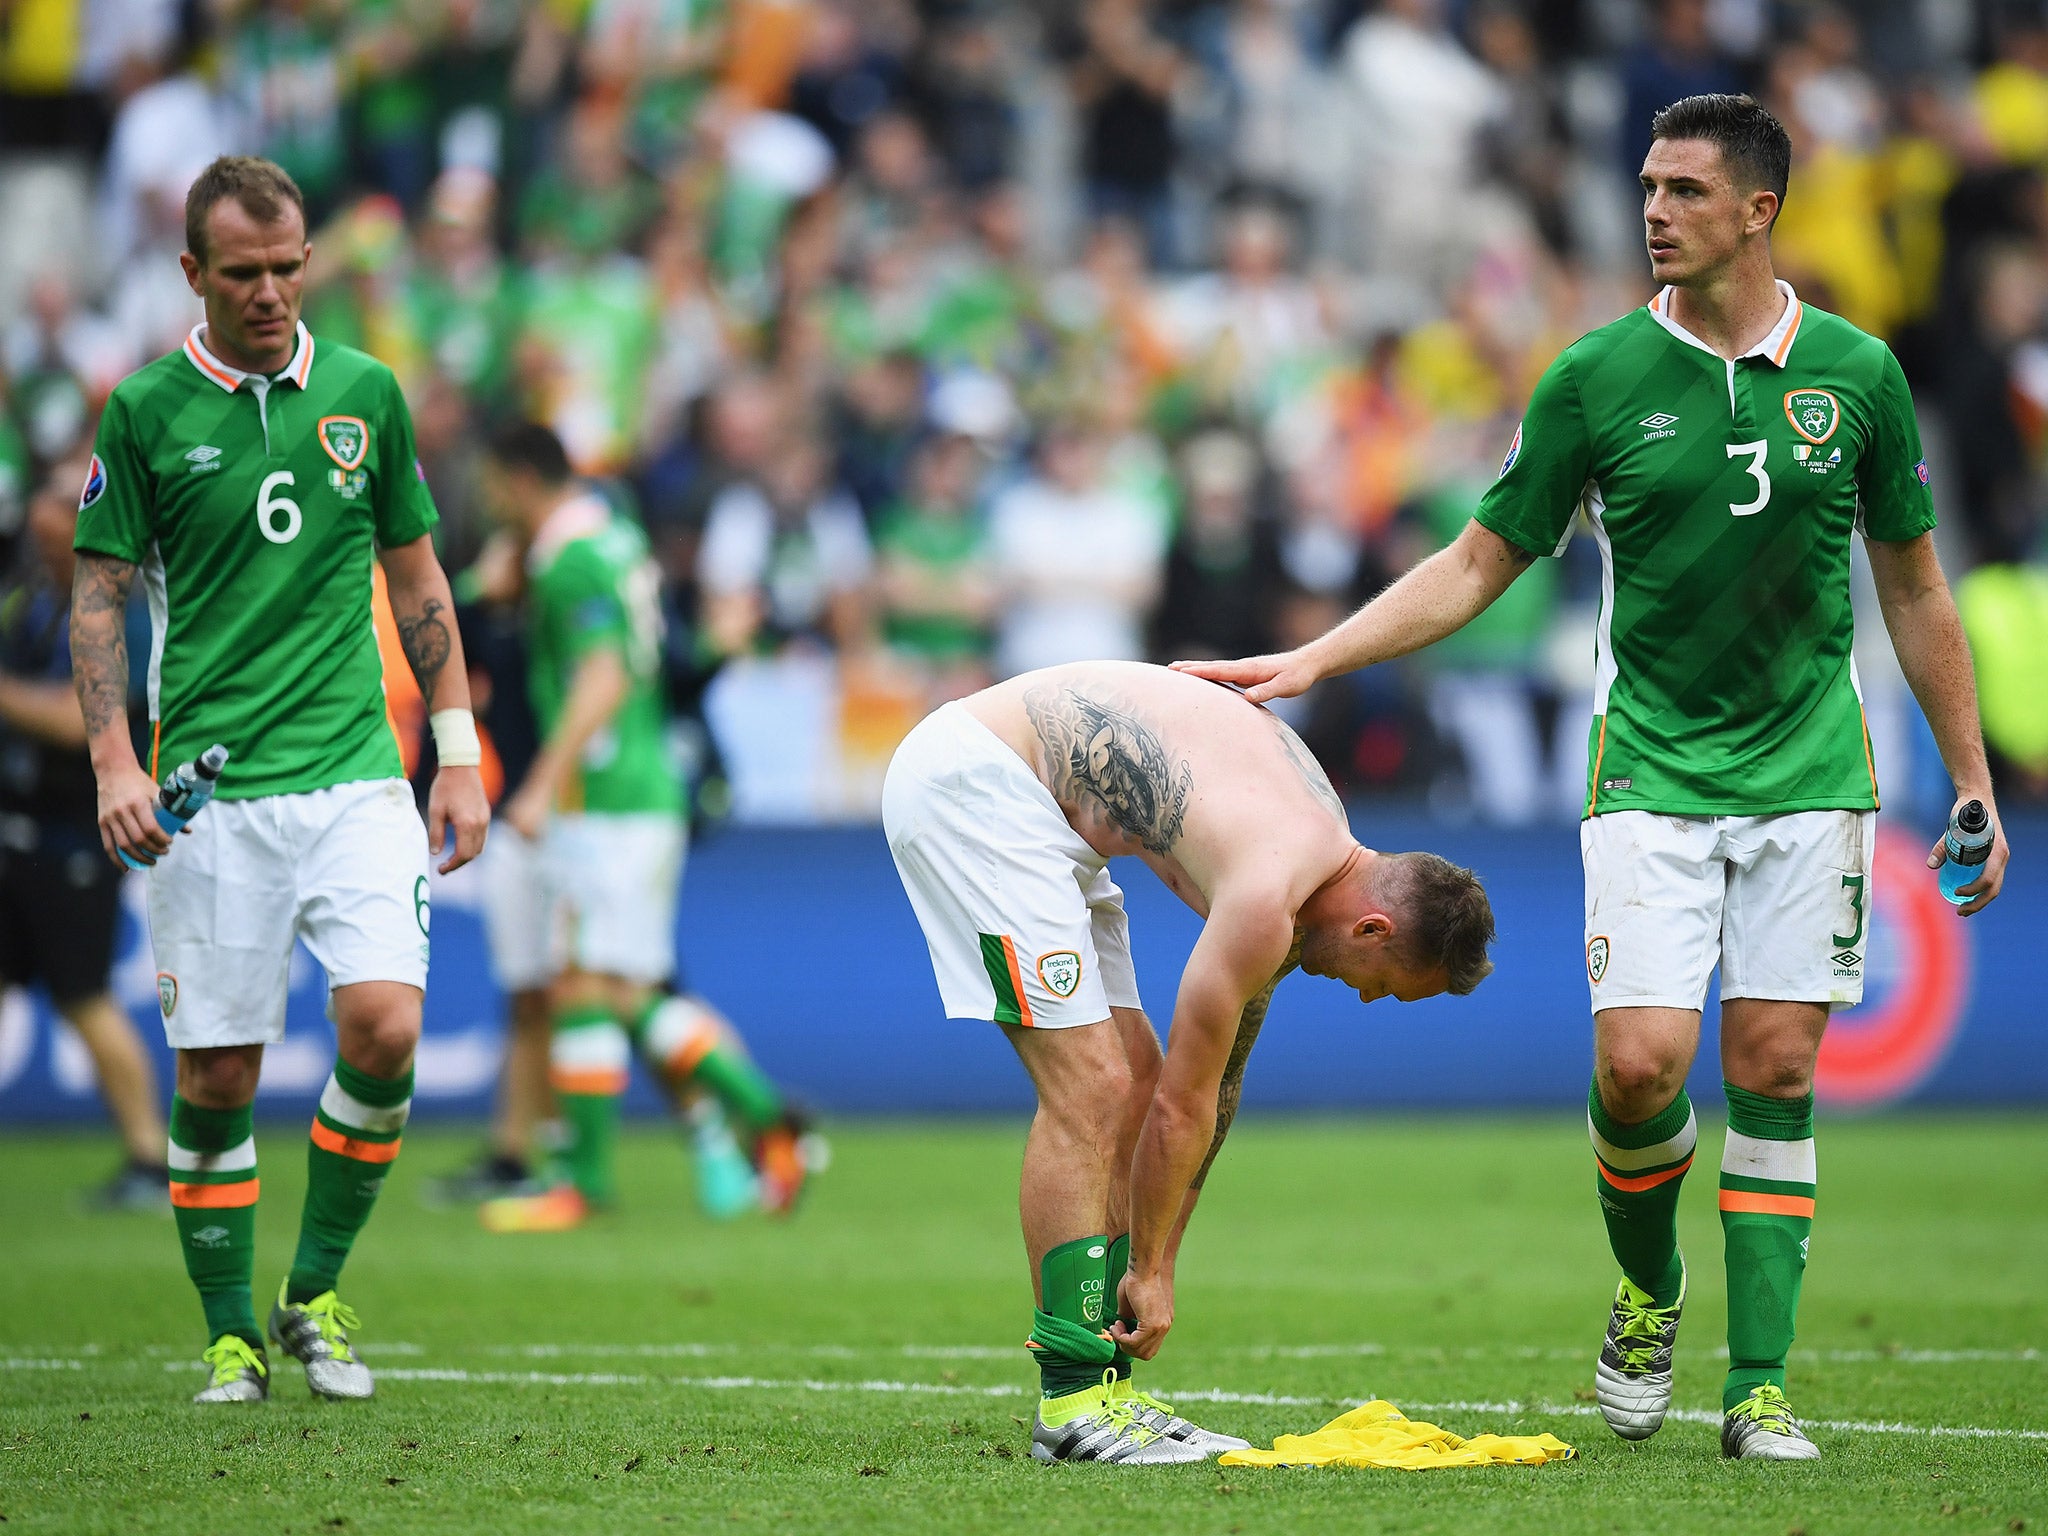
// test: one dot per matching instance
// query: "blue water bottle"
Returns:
(1967, 845)
(184, 794)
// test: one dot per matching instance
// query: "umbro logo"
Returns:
(1658, 420)
(1659, 425)
(204, 457)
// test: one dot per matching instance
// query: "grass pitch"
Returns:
(861, 1368)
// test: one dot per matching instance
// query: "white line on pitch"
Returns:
(1204, 1395)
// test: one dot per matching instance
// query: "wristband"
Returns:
(455, 739)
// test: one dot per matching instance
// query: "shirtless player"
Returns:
(1002, 811)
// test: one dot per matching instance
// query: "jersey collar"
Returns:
(1773, 349)
(298, 370)
(577, 518)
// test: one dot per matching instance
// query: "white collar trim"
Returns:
(1774, 348)
(580, 516)
(230, 379)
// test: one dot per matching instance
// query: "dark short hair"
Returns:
(531, 446)
(1446, 920)
(263, 188)
(1752, 142)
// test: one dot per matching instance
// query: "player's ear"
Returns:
(192, 272)
(1377, 925)
(1763, 210)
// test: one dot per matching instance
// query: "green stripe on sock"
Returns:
(1768, 1119)
(1009, 1009)
(1755, 1186)
(1662, 1126)
(196, 1128)
(378, 1092)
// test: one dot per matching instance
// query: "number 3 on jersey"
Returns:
(279, 519)
(1756, 452)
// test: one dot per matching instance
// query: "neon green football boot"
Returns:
(241, 1374)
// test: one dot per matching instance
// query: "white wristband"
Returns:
(455, 739)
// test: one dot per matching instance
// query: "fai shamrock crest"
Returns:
(1596, 959)
(346, 439)
(1060, 971)
(1814, 413)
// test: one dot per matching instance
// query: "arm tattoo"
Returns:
(1231, 1089)
(99, 640)
(427, 644)
(1096, 751)
(1311, 771)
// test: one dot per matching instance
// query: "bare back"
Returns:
(1206, 788)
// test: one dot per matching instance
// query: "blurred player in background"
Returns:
(605, 801)
(1002, 813)
(60, 898)
(254, 478)
(1726, 443)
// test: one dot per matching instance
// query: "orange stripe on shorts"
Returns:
(206, 1197)
(1017, 983)
(1640, 1182)
(329, 1140)
(1767, 1205)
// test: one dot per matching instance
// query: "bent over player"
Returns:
(1725, 443)
(253, 477)
(1002, 811)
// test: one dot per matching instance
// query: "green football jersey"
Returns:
(592, 583)
(1724, 496)
(255, 508)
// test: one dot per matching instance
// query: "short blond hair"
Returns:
(262, 187)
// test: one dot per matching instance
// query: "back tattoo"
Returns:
(1102, 753)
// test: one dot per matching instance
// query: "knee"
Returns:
(1637, 1080)
(1777, 1071)
(222, 1079)
(379, 1033)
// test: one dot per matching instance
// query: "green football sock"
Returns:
(213, 1194)
(1640, 1170)
(1066, 1331)
(1767, 1184)
(686, 1044)
(1113, 1277)
(588, 1058)
(355, 1138)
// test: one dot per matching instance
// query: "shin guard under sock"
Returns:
(1767, 1184)
(213, 1194)
(357, 1131)
(1640, 1170)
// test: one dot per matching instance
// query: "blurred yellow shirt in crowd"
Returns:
(2012, 103)
(1832, 230)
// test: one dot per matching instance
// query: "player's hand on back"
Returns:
(458, 816)
(1261, 677)
(1984, 889)
(127, 815)
(1149, 1299)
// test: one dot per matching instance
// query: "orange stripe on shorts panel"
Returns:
(1593, 789)
(206, 1197)
(1017, 983)
(329, 1140)
(598, 1080)
(1767, 1205)
(1640, 1182)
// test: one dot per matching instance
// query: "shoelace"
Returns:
(335, 1318)
(230, 1356)
(1641, 1332)
(1767, 1409)
(1120, 1412)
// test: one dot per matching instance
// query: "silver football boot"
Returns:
(240, 1373)
(1107, 1429)
(315, 1333)
(1761, 1428)
(1633, 1379)
(1161, 1419)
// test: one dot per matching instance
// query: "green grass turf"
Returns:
(1435, 1262)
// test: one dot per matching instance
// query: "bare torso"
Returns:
(1207, 789)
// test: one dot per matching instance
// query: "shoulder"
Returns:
(348, 368)
(1585, 356)
(147, 385)
(1826, 340)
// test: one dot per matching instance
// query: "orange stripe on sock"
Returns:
(1017, 983)
(1767, 1205)
(362, 1151)
(207, 1197)
(685, 1058)
(1644, 1181)
(587, 1080)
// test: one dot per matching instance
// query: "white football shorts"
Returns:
(1024, 924)
(344, 868)
(1780, 903)
(518, 920)
(612, 880)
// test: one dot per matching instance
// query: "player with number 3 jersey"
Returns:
(253, 479)
(1724, 445)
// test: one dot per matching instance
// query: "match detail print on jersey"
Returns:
(1724, 495)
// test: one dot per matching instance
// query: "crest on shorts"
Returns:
(346, 439)
(167, 992)
(1060, 971)
(1814, 413)
(1596, 959)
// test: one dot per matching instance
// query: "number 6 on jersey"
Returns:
(270, 508)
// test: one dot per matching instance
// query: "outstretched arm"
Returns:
(1243, 945)
(1935, 656)
(458, 813)
(1438, 597)
(99, 671)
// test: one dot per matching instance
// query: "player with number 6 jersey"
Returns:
(255, 479)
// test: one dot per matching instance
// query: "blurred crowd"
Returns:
(935, 340)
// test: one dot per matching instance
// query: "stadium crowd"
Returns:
(936, 340)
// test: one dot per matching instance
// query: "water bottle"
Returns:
(1968, 845)
(184, 794)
